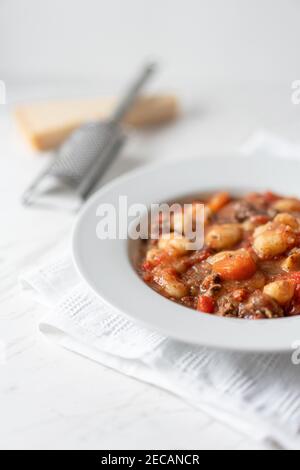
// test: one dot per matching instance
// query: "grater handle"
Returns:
(130, 97)
(27, 195)
(106, 159)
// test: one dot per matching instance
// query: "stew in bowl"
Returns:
(248, 267)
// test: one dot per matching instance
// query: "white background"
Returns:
(236, 59)
(232, 39)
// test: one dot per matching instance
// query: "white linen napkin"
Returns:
(256, 394)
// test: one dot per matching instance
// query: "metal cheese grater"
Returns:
(84, 156)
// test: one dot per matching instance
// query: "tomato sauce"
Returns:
(249, 266)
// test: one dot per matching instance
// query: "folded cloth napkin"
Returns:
(257, 394)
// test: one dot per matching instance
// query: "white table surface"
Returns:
(53, 399)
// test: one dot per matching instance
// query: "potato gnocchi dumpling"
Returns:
(281, 291)
(249, 266)
(223, 236)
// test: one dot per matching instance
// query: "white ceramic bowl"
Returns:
(106, 265)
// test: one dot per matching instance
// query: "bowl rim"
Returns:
(172, 310)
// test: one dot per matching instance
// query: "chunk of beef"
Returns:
(243, 210)
(211, 284)
(260, 306)
(228, 306)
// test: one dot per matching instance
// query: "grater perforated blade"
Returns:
(83, 158)
(76, 154)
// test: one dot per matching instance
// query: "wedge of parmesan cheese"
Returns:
(46, 125)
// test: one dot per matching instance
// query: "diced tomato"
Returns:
(147, 266)
(198, 257)
(147, 277)
(295, 276)
(206, 304)
(252, 197)
(171, 271)
(239, 295)
(294, 307)
(297, 294)
(269, 196)
(159, 259)
(260, 219)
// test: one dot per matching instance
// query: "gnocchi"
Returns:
(287, 219)
(287, 205)
(172, 243)
(249, 266)
(169, 282)
(269, 244)
(292, 262)
(281, 291)
(272, 242)
(222, 237)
